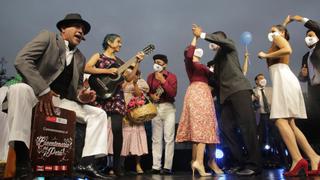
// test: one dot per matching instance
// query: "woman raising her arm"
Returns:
(287, 100)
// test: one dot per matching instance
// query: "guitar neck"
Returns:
(147, 50)
(127, 64)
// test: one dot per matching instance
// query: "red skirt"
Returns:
(198, 121)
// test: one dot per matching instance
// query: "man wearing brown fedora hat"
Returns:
(52, 69)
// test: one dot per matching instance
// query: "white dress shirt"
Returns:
(69, 56)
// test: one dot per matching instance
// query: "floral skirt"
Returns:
(198, 122)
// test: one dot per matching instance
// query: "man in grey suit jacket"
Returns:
(262, 94)
(310, 68)
(52, 69)
(268, 134)
(235, 97)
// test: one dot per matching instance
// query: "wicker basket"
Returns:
(143, 113)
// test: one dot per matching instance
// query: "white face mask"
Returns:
(198, 52)
(213, 46)
(270, 35)
(211, 68)
(310, 41)
(157, 67)
(263, 82)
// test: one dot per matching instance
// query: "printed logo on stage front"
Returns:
(47, 148)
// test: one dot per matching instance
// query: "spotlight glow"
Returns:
(267, 147)
(219, 154)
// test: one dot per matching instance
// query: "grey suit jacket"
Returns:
(42, 60)
(228, 73)
(267, 92)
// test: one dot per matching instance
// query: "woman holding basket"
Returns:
(134, 135)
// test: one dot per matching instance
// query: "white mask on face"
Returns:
(157, 67)
(270, 35)
(310, 41)
(213, 46)
(263, 82)
(211, 68)
(198, 52)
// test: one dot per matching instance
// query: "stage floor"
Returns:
(270, 174)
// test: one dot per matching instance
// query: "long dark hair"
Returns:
(283, 29)
(109, 37)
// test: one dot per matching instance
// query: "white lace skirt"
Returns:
(287, 98)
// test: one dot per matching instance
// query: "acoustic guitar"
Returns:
(106, 85)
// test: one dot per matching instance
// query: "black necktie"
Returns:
(265, 102)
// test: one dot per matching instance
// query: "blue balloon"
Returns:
(246, 38)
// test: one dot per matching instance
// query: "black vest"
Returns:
(62, 83)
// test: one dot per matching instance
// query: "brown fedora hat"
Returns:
(73, 18)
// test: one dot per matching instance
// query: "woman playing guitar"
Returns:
(108, 63)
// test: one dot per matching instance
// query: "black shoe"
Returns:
(106, 170)
(154, 171)
(79, 168)
(77, 171)
(232, 170)
(166, 172)
(247, 172)
(119, 173)
(90, 171)
(23, 170)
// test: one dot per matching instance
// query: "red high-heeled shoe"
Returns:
(315, 172)
(301, 165)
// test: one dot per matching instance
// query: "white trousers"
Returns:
(163, 127)
(21, 100)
